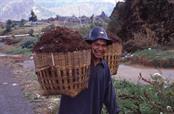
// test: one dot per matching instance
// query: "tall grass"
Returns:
(155, 57)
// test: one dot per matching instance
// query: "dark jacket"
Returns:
(90, 101)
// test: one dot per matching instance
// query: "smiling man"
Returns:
(100, 88)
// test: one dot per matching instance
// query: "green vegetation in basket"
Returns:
(155, 97)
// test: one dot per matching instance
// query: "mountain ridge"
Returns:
(17, 10)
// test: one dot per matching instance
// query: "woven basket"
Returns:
(112, 56)
(63, 73)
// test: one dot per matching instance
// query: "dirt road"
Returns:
(131, 72)
(12, 100)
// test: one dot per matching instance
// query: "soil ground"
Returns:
(11, 98)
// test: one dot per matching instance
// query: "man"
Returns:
(100, 88)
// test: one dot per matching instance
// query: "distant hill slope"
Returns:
(20, 9)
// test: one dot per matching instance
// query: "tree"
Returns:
(9, 25)
(92, 18)
(22, 22)
(30, 32)
(33, 17)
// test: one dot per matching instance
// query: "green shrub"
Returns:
(155, 57)
(155, 97)
(19, 50)
(28, 42)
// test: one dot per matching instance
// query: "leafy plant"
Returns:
(28, 42)
(154, 98)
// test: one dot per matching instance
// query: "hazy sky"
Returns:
(69, 1)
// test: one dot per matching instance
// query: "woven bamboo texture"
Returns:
(63, 73)
(112, 56)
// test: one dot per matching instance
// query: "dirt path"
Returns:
(12, 100)
(131, 72)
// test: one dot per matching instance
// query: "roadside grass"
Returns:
(18, 30)
(19, 50)
(154, 57)
(26, 29)
(155, 54)
(22, 46)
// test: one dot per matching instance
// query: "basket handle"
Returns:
(52, 58)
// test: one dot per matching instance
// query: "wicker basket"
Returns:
(112, 56)
(63, 73)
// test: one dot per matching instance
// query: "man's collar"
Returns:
(102, 62)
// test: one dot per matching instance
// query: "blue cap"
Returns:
(98, 33)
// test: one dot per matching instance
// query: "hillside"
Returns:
(143, 23)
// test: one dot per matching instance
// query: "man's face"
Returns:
(99, 48)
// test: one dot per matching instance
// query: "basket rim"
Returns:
(62, 52)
